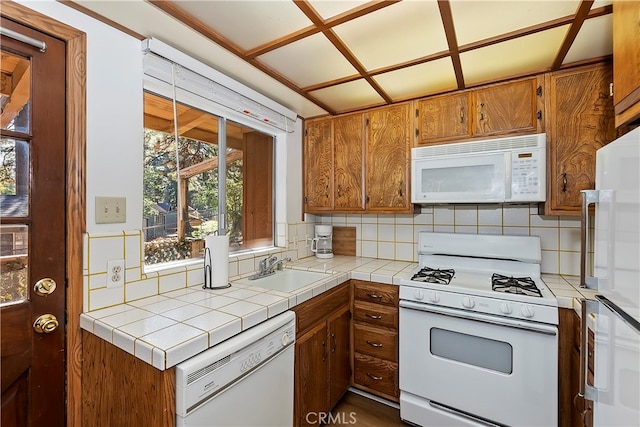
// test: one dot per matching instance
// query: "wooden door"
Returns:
(388, 154)
(311, 394)
(32, 196)
(626, 61)
(582, 120)
(348, 143)
(443, 118)
(318, 165)
(339, 354)
(506, 108)
(257, 219)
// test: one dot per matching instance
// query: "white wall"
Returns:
(114, 113)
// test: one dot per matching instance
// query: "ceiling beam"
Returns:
(581, 15)
(452, 41)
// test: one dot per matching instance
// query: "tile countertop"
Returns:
(164, 330)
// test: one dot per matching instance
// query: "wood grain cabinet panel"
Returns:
(388, 158)
(318, 165)
(507, 108)
(626, 61)
(443, 118)
(322, 372)
(581, 121)
(348, 146)
(375, 338)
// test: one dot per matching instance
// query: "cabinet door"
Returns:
(581, 121)
(387, 183)
(348, 145)
(626, 61)
(506, 108)
(443, 118)
(318, 165)
(339, 354)
(311, 377)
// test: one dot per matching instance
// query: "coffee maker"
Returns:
(321, 243)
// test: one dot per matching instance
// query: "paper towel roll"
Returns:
(219, 248)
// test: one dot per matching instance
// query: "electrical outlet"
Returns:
(110, 210)
(115, 273)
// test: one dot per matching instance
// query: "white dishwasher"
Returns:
(246, 380)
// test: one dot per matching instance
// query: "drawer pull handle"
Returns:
(373, 316)
(376, 296)
(374, 377)
(374, 344)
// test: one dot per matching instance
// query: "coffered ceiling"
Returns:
(333, 56)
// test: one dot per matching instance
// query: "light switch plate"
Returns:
(111, 210)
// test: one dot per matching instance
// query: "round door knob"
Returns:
(527, 311)
(468, 302)
(505, 308)
(45, 324)
(44, 287)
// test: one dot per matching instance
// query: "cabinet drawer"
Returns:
(375, 292)
(375, 342)
(317, 309)
(377, 374)
(376, 314)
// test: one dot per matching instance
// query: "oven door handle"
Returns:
(467, 315)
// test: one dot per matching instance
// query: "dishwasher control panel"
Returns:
(214, 370)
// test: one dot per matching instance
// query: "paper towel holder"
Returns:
(208, 273)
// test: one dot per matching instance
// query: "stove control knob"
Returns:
(505, 308)
(418, 294)
(527, 311)
(468, 302)
(434, 297)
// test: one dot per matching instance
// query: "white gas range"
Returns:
(478, 333)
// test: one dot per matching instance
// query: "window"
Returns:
(182, 198)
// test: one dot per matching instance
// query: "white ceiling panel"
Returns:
(328, 9)
(309, 61)
(517, 56)
(590, 41)
(395, 34)
(431, 77)
(479, 20)
(248, 24)
(348, 96)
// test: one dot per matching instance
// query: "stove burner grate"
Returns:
(515, 285)
(434, 275)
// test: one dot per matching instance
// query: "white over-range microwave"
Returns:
(504, 170)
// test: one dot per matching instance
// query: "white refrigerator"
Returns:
(614, 315)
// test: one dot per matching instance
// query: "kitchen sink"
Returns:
(285, 280)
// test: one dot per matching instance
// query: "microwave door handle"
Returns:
(507, 173)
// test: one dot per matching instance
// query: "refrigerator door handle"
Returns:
(586, 391)
(589, 197)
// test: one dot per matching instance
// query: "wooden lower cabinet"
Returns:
(572, 411)
(119, 389)
(375, 338)
(322, 361)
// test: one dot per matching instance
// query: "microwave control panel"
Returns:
(527, 175)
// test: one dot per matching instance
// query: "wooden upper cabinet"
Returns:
(581, 121)
(626, 61)
(318, 165)
(507, 108)
(348, 149)
(388, 159)
(503, 109)
(443, 118)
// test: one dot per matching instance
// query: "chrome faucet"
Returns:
(268, 266)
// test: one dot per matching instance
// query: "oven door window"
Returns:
(472, 350)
